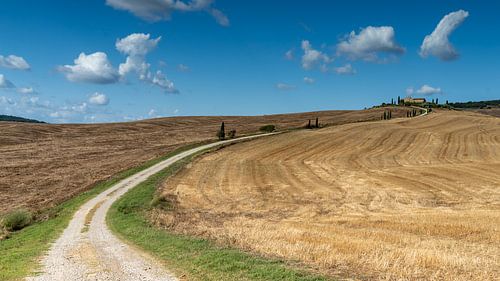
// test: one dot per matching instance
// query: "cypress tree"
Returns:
(392, 101)
(317, 122)
(399, 100)
(309, 124)
(221, 134)
(437, 102)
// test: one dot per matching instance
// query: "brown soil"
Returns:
(43, 164)
(407, 199)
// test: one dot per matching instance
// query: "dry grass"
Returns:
(391, 200)
(494, 111)
(42, 165)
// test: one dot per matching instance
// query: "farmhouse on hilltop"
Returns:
(414, 100)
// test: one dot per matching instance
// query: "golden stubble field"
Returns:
(44, 164)
(406, 199)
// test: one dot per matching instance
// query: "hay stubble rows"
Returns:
(406, 198)
(42, 165)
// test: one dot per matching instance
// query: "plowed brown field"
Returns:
(406, 199)
(45, 164)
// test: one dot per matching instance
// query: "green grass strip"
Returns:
(192, 258)
(19, 254)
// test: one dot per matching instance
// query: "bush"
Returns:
(231, 134)
(17, 220)
(268, 128)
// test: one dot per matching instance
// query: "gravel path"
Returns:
(87, 250)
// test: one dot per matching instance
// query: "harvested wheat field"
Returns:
(405, 199)
(44, 164)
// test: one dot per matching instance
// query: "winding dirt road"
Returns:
(87, 250)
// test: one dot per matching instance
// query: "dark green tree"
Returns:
(317, 122)
(437, 101)
(221, 134)
(399, 100)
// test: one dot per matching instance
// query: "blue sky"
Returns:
(239, 57)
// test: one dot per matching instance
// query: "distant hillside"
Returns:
(476, 104)
(18, 119)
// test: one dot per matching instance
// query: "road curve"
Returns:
(87, 250)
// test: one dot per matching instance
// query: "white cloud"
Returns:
(219, 16)
(6, 101)
(93, 68)
(437, 43)
(26, 90)
(157, 10)
(285, 87)
(345, 70)
(5, 84)
(160, 80)
(429, 90)
(369, 43)
(289, 55)
(98, 99)
(14, 62)
(183, 68)
(136, 46)
(313, 57)
(309, 80)
(152, 113)
(425, 90)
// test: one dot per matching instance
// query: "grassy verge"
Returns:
(192, 258)
(19, 254)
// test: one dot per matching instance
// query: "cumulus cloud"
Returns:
(313, 57)
(98, 99)
(157, 10)
(93, 68)
(26, 90)
(96, 68)
(152, 113)
(5, 84)
(345, 70)
(160, 80)
(425, 90)
(14, 62)
(309, 80)
(285, 87)
(369, 43)
(136, 46)
(429, 90)
(437, 43)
